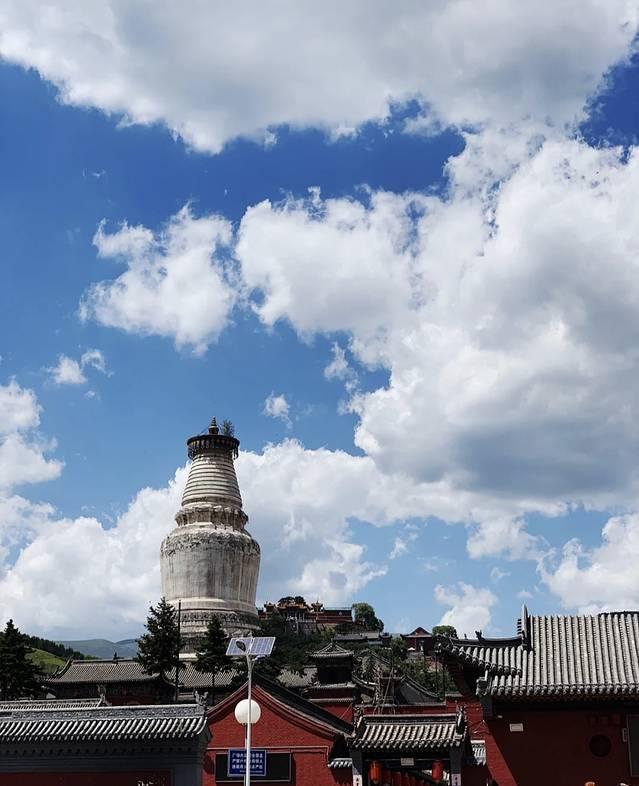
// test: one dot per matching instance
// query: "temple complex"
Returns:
(209, 562)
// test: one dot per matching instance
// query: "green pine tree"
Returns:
(211, 658)
(20, 677)
(158, 649)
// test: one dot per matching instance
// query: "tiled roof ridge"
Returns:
(122, 669)
(416, 718)
(460, 652)
(557, 655)
(106, 711)
(410, 733)
(54, 704)
(506, 641)
(332, 650)
(124, 723)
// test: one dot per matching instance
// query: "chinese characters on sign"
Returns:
(237, 762)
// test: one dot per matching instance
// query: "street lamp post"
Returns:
(247, 711)
(249, 720)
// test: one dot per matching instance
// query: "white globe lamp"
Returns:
(242, 712)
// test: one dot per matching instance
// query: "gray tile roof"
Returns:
(408, 733)
(294, 681)
(100, 671)
(50, 704)
(102, 723)
(556, 656)
(479, 751)
(338, 763)
(191, 679)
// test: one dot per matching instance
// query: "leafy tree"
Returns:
(19, 675)
(291, 649)
(399, 649)
(364, 613)
(292, 599)
(435, 680)
(158, 649)
(444, 630)
(211, 657)
(228, 429)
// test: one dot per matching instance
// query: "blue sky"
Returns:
(402, 263)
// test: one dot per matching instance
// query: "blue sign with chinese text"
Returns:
(237, 762)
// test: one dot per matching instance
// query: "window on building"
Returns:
(600, 745)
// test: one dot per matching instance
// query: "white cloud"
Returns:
(432, 564)
(510, 346)
(400, 546)
(175, 283)
(277, 407)
(22, 450)
(496, 574)
(19, 408)
(67, 372)
(23, 461)
(601, 578)
(80, 566)
(95, 359)
(524, 594)
(402, 542)
(328, 266)
(339, 575)
(211, 72)
(470, 607)
(300, 502)
(340, 368)
(71, 372)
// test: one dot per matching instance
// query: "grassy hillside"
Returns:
(47, 661)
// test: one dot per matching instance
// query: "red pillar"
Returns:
(438, 770)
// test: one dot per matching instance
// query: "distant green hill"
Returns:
(47, 661)
(54, 647)
(103, 648)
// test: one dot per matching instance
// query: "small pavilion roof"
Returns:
(555, 657)
(172, 722)
(332, 651)
(409, 733)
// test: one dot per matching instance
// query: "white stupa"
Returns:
(209, 562)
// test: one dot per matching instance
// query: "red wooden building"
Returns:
(305, 744)
(556, 704)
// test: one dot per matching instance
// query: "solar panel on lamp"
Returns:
(256, 646)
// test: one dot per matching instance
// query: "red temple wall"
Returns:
(278, 733)
(554, 748)
(159, 778)
(339, 710)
